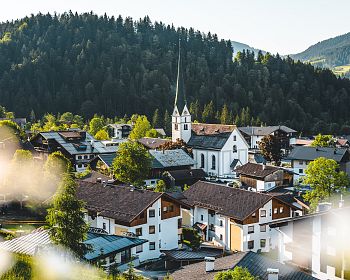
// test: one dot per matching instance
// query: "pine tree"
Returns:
(225, 116)
(156, 119)
(66, 218)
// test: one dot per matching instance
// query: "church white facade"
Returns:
(217, 149)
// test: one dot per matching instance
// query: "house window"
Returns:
(159, 229)
(212, 227)
(234, 138)
(139, 248)
(139, 231)
(176, 128)
(179, 223)
(86, 157)
(262, 243)
(152, 213)
(213, 162)
(275, 210)
(185, 126)
(220, 236)
(79, 157)
(301, 162)
(250, 229)
(263, 228)
(152, 229)
(152, 246)
(262, 213)
(171, 208)
(251, 245)
(104, 226)
(202, 218)
(221, 223)
(234, 149)
(281, 209)
(202, 160)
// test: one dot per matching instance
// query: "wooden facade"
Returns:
(140, 219)
(280, 210)
(170, 209)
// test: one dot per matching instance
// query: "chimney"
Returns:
(263, 166)
(341, 202)
(272, 274)
(324, 207)
(209, 264)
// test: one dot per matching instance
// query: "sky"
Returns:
(283, 26)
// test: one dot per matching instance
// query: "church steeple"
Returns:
(180, 97)
(181, 118)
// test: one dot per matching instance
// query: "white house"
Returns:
(124, 210)
(234, 218)
(317, 242)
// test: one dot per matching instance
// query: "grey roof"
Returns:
(93, 146)
(192, 255)
(171, 158)
(119, 125)
(234, 163)
(312, 153)
(188, 174)
(258, 264)
(109, 244)
(214, 142)
(264, 130)
(29, 244)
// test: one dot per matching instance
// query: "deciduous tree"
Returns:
(271, 148)
(323, 141)
(238, 273)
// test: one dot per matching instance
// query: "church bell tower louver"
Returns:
(181, 117)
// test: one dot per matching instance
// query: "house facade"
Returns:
(263, 178)
(122, 210)
(316, 242)
(301, 156)
(234, 218)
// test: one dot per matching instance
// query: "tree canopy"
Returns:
(323, 141)
(132, 163)
(141, 127)
(67, 226)
(238, 273)
(271, 148)
(325, 179)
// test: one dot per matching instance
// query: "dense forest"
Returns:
(331, 53)
(87, 64)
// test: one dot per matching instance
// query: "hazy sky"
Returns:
(284, 26)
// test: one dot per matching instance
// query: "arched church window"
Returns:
(213, 162)
(176, 126)
(185, 126)
(202, 160)
(234, 148)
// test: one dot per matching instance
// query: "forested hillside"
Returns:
(333, 53)
(88, 64)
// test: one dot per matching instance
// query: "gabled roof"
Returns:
(209, 142)
(211, 129)
(256, 170)
(264, 130)
(120, 125)
(312, 153)
(107, 158)
(30, 244)
(152, 143)
(122, 203)
(171, 158)
(258, 264)
(231, 202)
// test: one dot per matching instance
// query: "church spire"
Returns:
(180, 97)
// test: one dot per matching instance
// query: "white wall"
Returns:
(299, 165)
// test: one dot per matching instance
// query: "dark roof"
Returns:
(211, 129)
(264, 130)
(109, 244)
(152, 143)
(231, 202)
(234, 163)
(107, 158)
(94, 175)
(188, 174)
(312, 153)
(186, 255)
(121, 203)
(256, 170)
(258, 264)
(214, 142)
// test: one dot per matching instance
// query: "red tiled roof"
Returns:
(210, 129)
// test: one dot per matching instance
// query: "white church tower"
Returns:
(181, 117)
